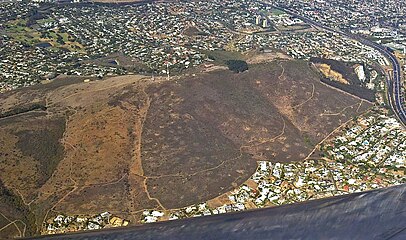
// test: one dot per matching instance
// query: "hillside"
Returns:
(131, 143)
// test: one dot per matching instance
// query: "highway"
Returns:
(396, 100)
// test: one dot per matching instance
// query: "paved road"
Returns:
(394, 82)
(378, 214)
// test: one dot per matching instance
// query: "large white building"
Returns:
(359, 70)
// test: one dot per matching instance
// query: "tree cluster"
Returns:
(237, 66)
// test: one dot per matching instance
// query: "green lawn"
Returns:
(46, 20)
(18, 30)
(277, 12)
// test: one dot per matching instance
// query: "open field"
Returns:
(20, 31)
(120, 60)
(131, 143)
(277, 12)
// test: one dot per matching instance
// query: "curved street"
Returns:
(395, 97)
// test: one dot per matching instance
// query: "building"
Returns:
(360, 73)
(258, 20)
(265, 23)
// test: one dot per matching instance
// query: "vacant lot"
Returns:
(128, 143)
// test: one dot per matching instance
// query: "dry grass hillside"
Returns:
(130, 143)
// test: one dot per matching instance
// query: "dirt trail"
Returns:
(136, 168)
(22, 234)
(310, 98)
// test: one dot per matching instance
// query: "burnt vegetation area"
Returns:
(352, 89)
(44, 146)
(210, 130)
(345, 69)
(355, 87)
(23, 109)
(195, 139)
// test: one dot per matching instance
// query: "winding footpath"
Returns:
(393, 81)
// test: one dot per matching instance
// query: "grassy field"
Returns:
(18, 30)
(277, 12)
